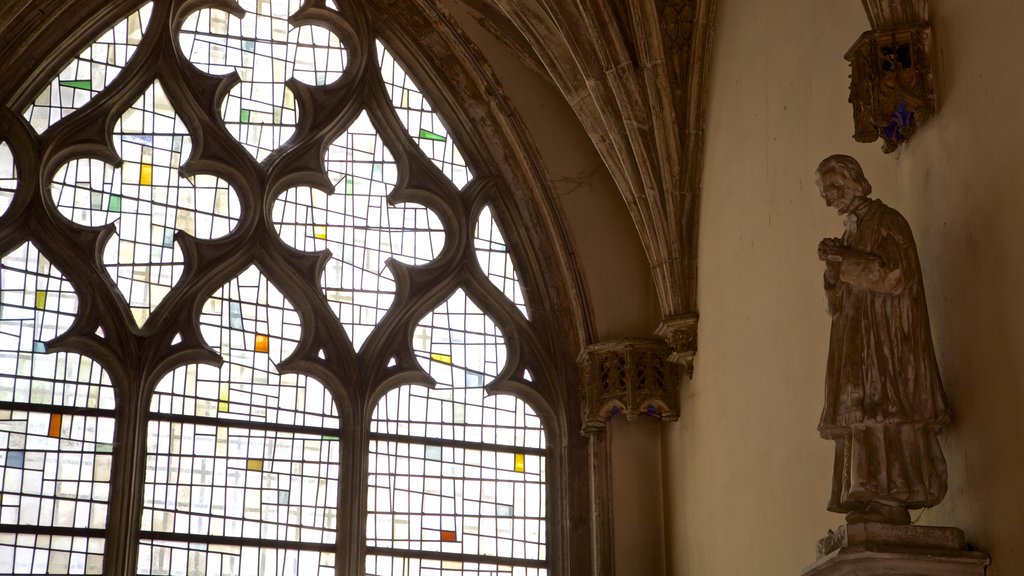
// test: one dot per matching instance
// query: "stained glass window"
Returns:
(8, 177)
(495, 260)
(265, 50)
(218, 299)
(147, 200)
(419, 119)
(242, 460)
(456, 473)
(359, 227)
(56, 428)
(89, 73)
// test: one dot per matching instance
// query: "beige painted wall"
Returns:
(746, 475)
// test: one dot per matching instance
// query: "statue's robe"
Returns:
(884, 401)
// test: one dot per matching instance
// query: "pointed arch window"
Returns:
(259, 314)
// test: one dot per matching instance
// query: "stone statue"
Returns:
(884, 401)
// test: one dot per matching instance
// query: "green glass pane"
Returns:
(428, 135)
(80, 84)
(90, 72)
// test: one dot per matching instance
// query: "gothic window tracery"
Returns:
(235, 338)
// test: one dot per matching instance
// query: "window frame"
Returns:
(463, 91)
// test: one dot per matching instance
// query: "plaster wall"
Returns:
(746, 475)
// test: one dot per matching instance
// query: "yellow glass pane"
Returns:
(41, 299)
(443, 358)
(520, 463)
(225, 394)
(262, 343)
(254, 464)
(146, 175)
(320, 232)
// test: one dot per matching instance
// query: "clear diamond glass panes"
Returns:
(241, 450)
(147, 200)
(492, 253)
(458, 345)
(359, 228)
(56, 427)
(91, 72)
(423, 124)
(265, 50)
(8, 177)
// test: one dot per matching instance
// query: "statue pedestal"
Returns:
(872, 549)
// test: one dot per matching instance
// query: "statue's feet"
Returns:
(882, 513)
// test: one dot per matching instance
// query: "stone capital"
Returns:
(632, 376)
(680, 333)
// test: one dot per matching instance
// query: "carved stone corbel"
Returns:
(891, 83)
(680, 333)
(632, 376)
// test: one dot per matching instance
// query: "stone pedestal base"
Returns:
(872, 549)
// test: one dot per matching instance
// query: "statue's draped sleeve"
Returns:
(881, 364)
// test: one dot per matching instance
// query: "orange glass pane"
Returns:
(449, 536)
(262, 343)
(54, 431)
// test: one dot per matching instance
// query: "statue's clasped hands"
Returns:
(831, 249)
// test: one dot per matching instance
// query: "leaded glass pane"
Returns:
(147, 200)
(399, 566)
(453, 470)
(54, 463)
(496, 262)
(458, 345)
(359, 227)
(8, 177)
(48, 554)
(89, 73)
(198, 558)
(422, 123)
(265, 50)
(241, 450)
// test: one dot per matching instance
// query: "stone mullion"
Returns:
(127, 482)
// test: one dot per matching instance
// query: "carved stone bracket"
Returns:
(680, 333)
(632, 376)
(891, 83)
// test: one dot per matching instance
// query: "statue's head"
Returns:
(841, 182)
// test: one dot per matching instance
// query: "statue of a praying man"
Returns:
(884, 401)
